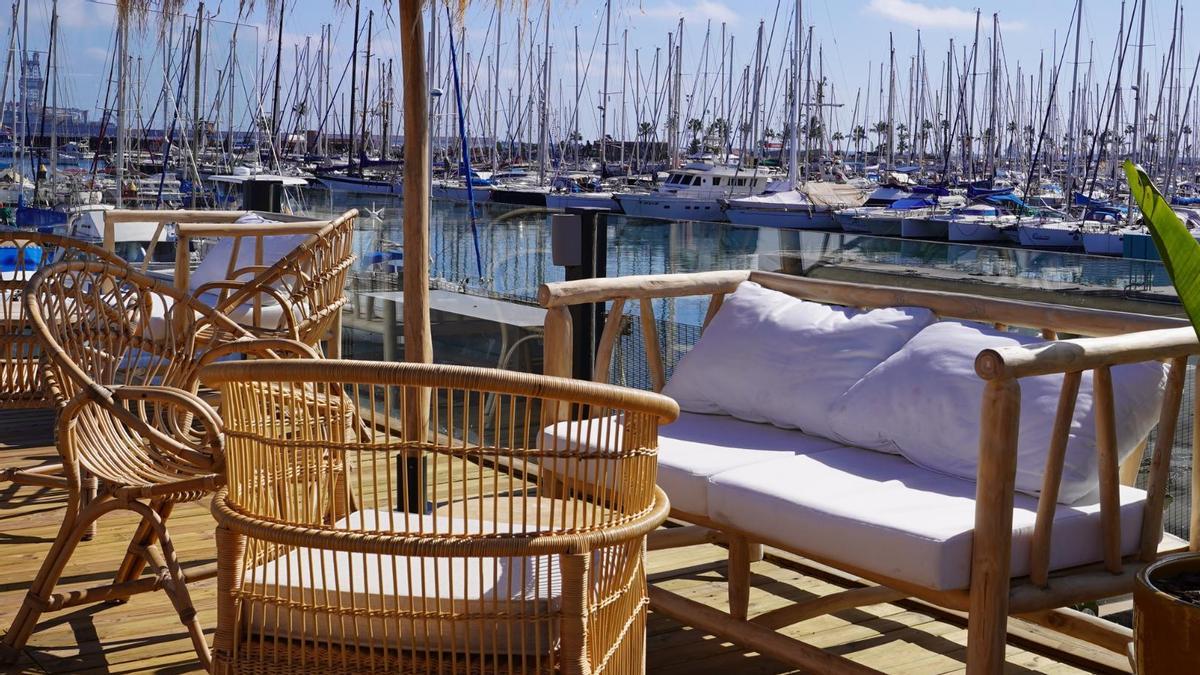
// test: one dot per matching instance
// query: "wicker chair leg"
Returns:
(177, 589)
(134, 563)
(70, 533)
(576, 582)
(231, 548)
(91, 487)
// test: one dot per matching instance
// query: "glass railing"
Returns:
(491, 319)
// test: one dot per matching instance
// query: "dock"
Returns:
(144, 635)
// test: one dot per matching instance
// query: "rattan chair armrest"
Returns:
(211, 434)
(268, 347)
(233, 301)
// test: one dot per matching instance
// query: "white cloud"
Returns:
(701, 9)
(928, 16)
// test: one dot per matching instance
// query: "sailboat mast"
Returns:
(624, 88)
(276, 113)
(604, 92)
(496, 98)
(973, 74)
(354, 86)
(994, 123)
(1071, 144)
(544, 138)
(1137, 91)
(122, 75)
(807, 114)
(891, 146)
(366, 131)
(196, 93)
(794, 113)
(53, 68)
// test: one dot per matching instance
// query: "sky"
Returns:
(851, 35)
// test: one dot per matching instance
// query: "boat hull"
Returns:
(884, 226)
(969, 231)
(924, 228)
(671, 208)
(797, 219)
(1035, 236)
(518, 197)
(361, 185)
(582, 200)
(482, 195)
(1103, 243)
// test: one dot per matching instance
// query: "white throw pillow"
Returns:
(925, 401)
(769, 357)
(215, 265)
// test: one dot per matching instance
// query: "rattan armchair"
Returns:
(21, 383)
(298, 294)
(123, 351)
(323, 570)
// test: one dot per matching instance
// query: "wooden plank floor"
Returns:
(144, 634)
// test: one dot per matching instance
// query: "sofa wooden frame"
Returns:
(1042, 597)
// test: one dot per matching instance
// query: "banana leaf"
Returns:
(1179, 250)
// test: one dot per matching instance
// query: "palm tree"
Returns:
(858, 135)
(719, 129)
(696, 127)
(901, 137)
(880, 129)
(815, 128)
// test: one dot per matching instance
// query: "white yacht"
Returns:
(789, 208)
(882, 197)
(1055, 234)
(578, 189)
(977, 222)
(694, 192)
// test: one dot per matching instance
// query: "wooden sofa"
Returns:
(1012, 554)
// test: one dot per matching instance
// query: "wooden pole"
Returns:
(418, 345)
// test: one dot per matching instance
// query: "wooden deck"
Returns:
(144, 635)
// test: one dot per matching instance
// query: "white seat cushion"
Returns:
(769, 357)
(330, 579)
(695, 447)
(850, 505)
(924, 403)
(271, 315)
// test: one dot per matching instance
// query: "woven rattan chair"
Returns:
(123, 351)
(322, 569)
(22, 386)
(298, 295)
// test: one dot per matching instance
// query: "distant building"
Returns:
(32, 88)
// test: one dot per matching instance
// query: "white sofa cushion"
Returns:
(215, 264)
(769, 357)
(925, 400)
(324, 578)
(883, 514)
(693, 448)
(271, 315)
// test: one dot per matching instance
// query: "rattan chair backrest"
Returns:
(22, 255)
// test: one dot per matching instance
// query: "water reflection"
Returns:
(514, 252)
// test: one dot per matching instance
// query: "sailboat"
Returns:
(783, 203)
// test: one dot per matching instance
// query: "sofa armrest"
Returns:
(1063, 356)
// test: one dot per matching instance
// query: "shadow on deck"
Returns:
(144, 635)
